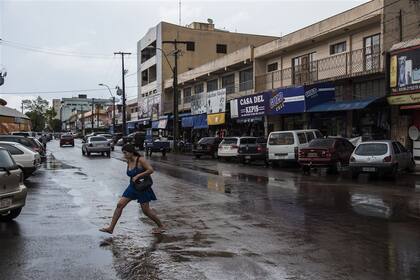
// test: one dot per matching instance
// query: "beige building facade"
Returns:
(155, 59)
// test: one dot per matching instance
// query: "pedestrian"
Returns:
(44, 141)
(138, 140)
(137, 167)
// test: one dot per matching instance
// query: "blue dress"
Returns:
(131, 193)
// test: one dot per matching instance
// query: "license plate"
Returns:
(312, 154)
(226, 148)
(280, 155)
(369, 169)
(247, 157)
(5, 202)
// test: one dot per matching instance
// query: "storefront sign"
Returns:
(393, 71)
(286, 101)
(216, 101)
(216, 119)
(198, 104)
(405, 76)
(249, 106)
(404, 99)
(319, 94)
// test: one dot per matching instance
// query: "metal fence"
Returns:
(349, 64)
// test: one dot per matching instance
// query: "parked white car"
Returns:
(12, 190)
(284, 146)
(381, 157)
(228, 148)
(27, 160)
(96, 144)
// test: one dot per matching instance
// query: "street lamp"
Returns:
(113, 105)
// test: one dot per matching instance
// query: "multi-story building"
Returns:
(56, 104)
(206, 43)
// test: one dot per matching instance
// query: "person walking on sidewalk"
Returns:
(137, 167)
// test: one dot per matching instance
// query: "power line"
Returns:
(26, 47)
(59, 91)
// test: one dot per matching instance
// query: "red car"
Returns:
(326, 152)
(66, 139)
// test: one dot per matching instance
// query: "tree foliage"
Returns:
(41, 115)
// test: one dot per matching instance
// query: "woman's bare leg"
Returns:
(150, 213)
(117, 214)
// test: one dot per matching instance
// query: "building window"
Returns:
(221, 48)
(199, 88)
(148, 52)
(212, 85)
(228, 82)
(245, 79)
(144, 77)
(372, 49)
(187, 95)
(191, 46)
(272, 67)
(304, 69)
(338, 48)
(152, 73)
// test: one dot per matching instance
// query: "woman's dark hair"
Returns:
(130, 148)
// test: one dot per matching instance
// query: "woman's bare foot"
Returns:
(159, 230)
(106, 230)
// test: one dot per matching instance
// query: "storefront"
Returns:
(12, 120)
(405, 94)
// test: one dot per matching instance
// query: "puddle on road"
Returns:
(53, 164)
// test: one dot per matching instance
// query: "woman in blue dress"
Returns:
(137, 167)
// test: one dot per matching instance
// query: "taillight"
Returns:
(259, 149)
(326, 154)
(352, 159)
(388, 159)
(209, 148)
(234, 146)
(301, 154)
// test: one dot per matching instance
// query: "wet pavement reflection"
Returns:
(225, 221)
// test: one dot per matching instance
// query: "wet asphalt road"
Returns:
(225, 221)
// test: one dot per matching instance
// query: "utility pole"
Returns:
(124, 119)
(175, 88)
(97, 115)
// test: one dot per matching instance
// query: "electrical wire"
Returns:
(58, 91)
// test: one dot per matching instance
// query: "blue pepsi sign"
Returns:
(286, 101)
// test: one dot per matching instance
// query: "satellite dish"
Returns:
(413, 133)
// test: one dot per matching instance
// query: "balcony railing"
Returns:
(355, 63)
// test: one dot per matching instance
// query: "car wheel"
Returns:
(88, 154)
(112, 149)
(394, 172)
(214, 156)
(354, 174)
(83, 152)
(12, 215)
(72, 145)
(61, 146)
(108, 154)
(336, 168)
(412, 167)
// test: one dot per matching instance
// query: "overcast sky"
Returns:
(69, 45)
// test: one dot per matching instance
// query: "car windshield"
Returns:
(322, 143)
(206, 140)
(97, 139)
(230, 141)
(283, 138)
(6, 160)
(372, 149)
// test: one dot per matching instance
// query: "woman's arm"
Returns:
(148, 169)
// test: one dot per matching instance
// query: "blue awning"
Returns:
(171, 117)
(343, 105)
(188, 121)
(200, 121)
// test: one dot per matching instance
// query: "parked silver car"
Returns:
(12, 190)
(381, 157)
(26, 159)
(96, 144)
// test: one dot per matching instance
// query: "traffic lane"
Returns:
(329, 221)
(267, 227)
(49, 240)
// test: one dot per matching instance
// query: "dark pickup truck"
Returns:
(252, 149)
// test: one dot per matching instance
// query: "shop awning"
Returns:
(343, 105)
(200, 121)
(188, 121)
